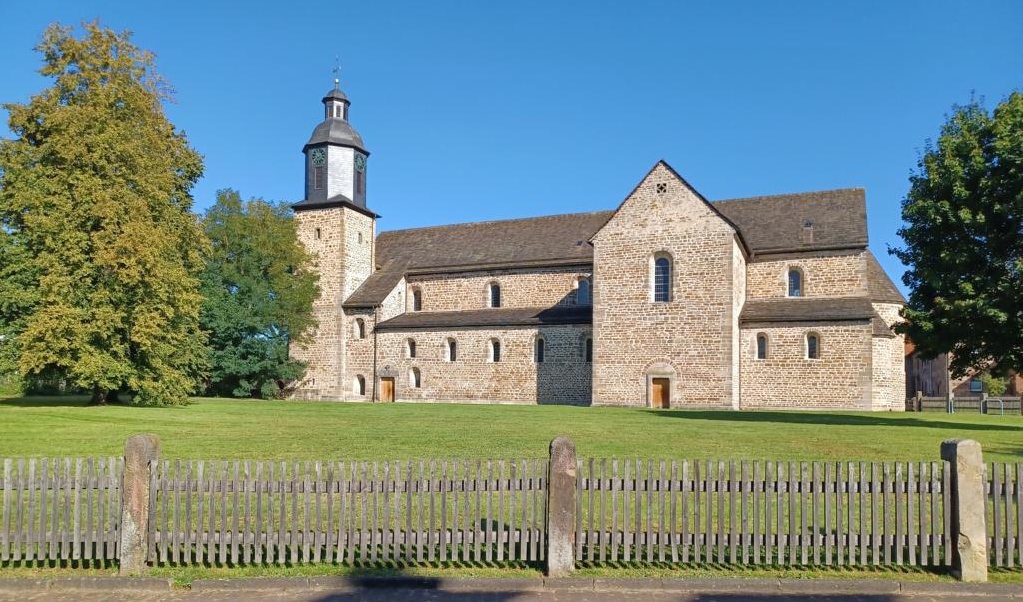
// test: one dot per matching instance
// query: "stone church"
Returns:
(670, 300)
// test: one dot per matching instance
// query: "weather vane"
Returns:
(337, 72)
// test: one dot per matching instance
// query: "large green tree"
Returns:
(95, 209)
(963, 238)
(258, 296)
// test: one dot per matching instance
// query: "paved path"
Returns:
(507, 590)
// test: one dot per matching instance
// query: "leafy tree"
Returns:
(258, 296)
(95, 212)
(963, 238)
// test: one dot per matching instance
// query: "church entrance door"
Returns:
(660, 392)
(386, 389)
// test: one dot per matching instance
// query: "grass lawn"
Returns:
(292, 430)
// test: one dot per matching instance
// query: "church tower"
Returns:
(338, 229)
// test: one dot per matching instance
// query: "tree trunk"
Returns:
(99, 397)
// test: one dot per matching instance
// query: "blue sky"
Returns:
(483, 110)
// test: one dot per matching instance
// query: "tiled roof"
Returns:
(808, 309)
(879, 327)
(379, 284)
(339, 200)
(879, 285)
(776, 224)
(532, 241)
(491, 317)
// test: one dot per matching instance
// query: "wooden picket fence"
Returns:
(477, 511)
(60, 509)
(763, 513)
(493, 512)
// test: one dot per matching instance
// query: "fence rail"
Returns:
(763, 513)
(495, 512)
(486, 511)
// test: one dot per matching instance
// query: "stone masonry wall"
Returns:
(840, 379)
(889, 364)
(825, 274)
(688, 339)
(564, 376)
(544, 287)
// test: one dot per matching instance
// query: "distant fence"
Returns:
(499, 512)
(980, 404)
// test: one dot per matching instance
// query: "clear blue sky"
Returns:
(484, 110)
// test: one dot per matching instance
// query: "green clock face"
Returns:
(318, 157)
(360, 162)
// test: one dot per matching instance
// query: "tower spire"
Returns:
(337, 72)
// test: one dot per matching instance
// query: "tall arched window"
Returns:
(813, 346)
(662, 279)
(582, 295)
(761, 346)
(588, 349)
(414, 378)
(410, 348)
(417, 300)
(494, 294)
(359, 385)
(451, 350)
(494, 351)
(359, 328)
(795, 282)
(539, 351)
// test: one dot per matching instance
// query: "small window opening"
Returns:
(662, 188)
(588, 350)
(359, 385)
(495, 350)
(417, 300)
(494, 298)
(795, 282)
(318, 178)
(761, 346)
(360, 238)
(410, 348)
(414, 378)
(360, 328)
(318, 234)
(662, 280)
(582, 295)
(813, 347)
(540, 350)
(452, 350)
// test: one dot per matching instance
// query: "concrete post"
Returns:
(968, 524)
(561, 508)
(140, 453)
(919, 401)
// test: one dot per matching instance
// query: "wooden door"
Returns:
(386, 389)
(660, 392)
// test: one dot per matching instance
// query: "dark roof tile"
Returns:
(376, 288)
(808, 309)
(879, 286)
(491, 317)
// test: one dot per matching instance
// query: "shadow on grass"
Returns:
(46, 401)
(823, 418)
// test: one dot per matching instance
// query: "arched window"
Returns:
(414, 378)
(761, 346)
(588, 349)
(662, 278)
(494, 294)
(359, 328)
(450, 350)
(795, 282)
(494, 351)
(359, 385)
(582, 295)
(813, 346)
(410, 348)
(417, 300)
(539, 351)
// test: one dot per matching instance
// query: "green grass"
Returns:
(277, 430)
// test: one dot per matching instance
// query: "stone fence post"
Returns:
(561, 508)
(141, 452)
(968, 524)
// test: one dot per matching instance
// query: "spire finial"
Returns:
(337, 72)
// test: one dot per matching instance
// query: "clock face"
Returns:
(360, 162)
(318, 157)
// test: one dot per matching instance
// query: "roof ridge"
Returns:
(495, 221)
(791, 194)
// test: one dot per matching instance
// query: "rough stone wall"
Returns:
(394, 303)
(342, 242)
(564, 376)
(688, 339)
(840, 379)
(359, 360)
(543, 287)
(889, 365)
(825, 274)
